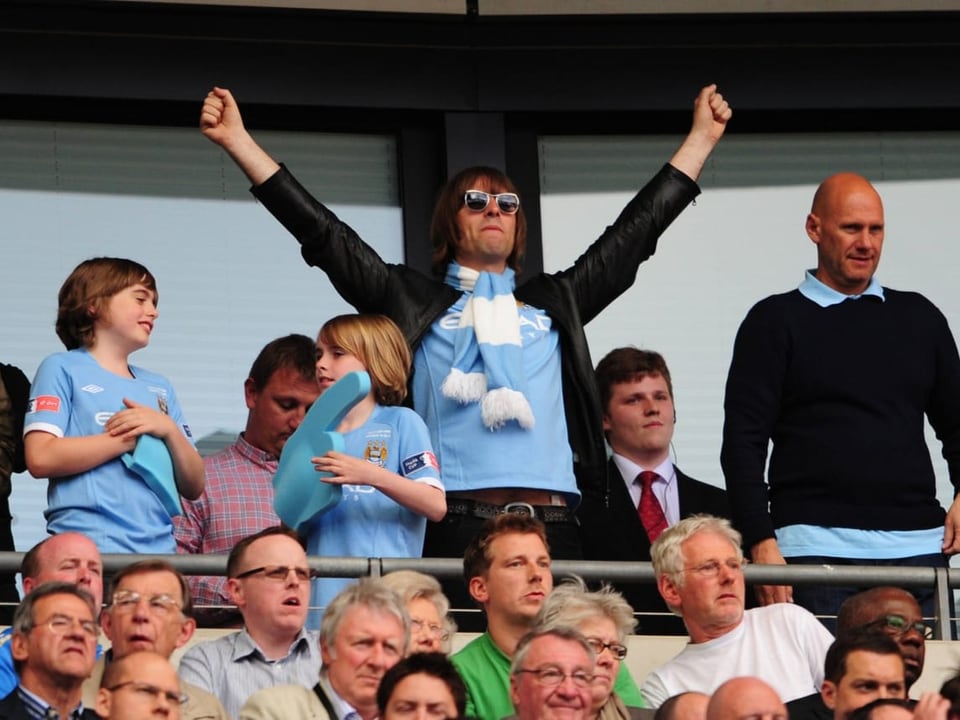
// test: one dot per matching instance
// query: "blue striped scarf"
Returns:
(487, 349)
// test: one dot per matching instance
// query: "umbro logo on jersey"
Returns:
(92, 389)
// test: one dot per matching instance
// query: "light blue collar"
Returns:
(825, 296)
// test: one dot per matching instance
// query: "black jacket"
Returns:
(571, 297)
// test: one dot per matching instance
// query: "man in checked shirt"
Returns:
(238, 498)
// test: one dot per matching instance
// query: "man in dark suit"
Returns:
(54, 647)
(646, 492)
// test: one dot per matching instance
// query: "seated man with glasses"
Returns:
(889, 611)
(894, 612)
(699, 567)
(142, 684)
(53, 644)
(269, 580)
(150, 608)
(552, 675)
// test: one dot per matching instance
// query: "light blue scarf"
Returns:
(487, 350)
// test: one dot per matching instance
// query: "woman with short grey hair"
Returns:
(431, 628)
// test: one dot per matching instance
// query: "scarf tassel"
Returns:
(501, 405)
(464, 387)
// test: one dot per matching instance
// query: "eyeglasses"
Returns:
(616, 649)
(553, 676)
(278, 572)
(127, 600)
(154, 693)
(711, 568)
(478, 200)
(436, 631)
(62, 624)
(898, 626)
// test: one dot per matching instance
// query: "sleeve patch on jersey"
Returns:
(418, 462)
(44, 403)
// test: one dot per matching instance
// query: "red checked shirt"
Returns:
(237, 501)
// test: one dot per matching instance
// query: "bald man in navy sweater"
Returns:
(839, 374)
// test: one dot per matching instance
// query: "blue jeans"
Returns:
(825, 600)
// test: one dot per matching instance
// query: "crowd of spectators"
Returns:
(501, 459)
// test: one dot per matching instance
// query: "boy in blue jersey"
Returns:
(89, 406)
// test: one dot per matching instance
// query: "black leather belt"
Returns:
(544, 513)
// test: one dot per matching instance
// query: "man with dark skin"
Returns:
(895, 612)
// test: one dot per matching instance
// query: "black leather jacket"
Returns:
(572, 297)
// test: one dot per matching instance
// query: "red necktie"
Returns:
(650, 512)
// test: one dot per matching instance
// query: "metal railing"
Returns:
(943, 580)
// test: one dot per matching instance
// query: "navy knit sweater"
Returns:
(842, 392)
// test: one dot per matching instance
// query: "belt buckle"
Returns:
(520, 508)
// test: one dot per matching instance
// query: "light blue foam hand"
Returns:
(151, 460)
(300, 496)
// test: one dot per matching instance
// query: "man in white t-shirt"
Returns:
(699, 567)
